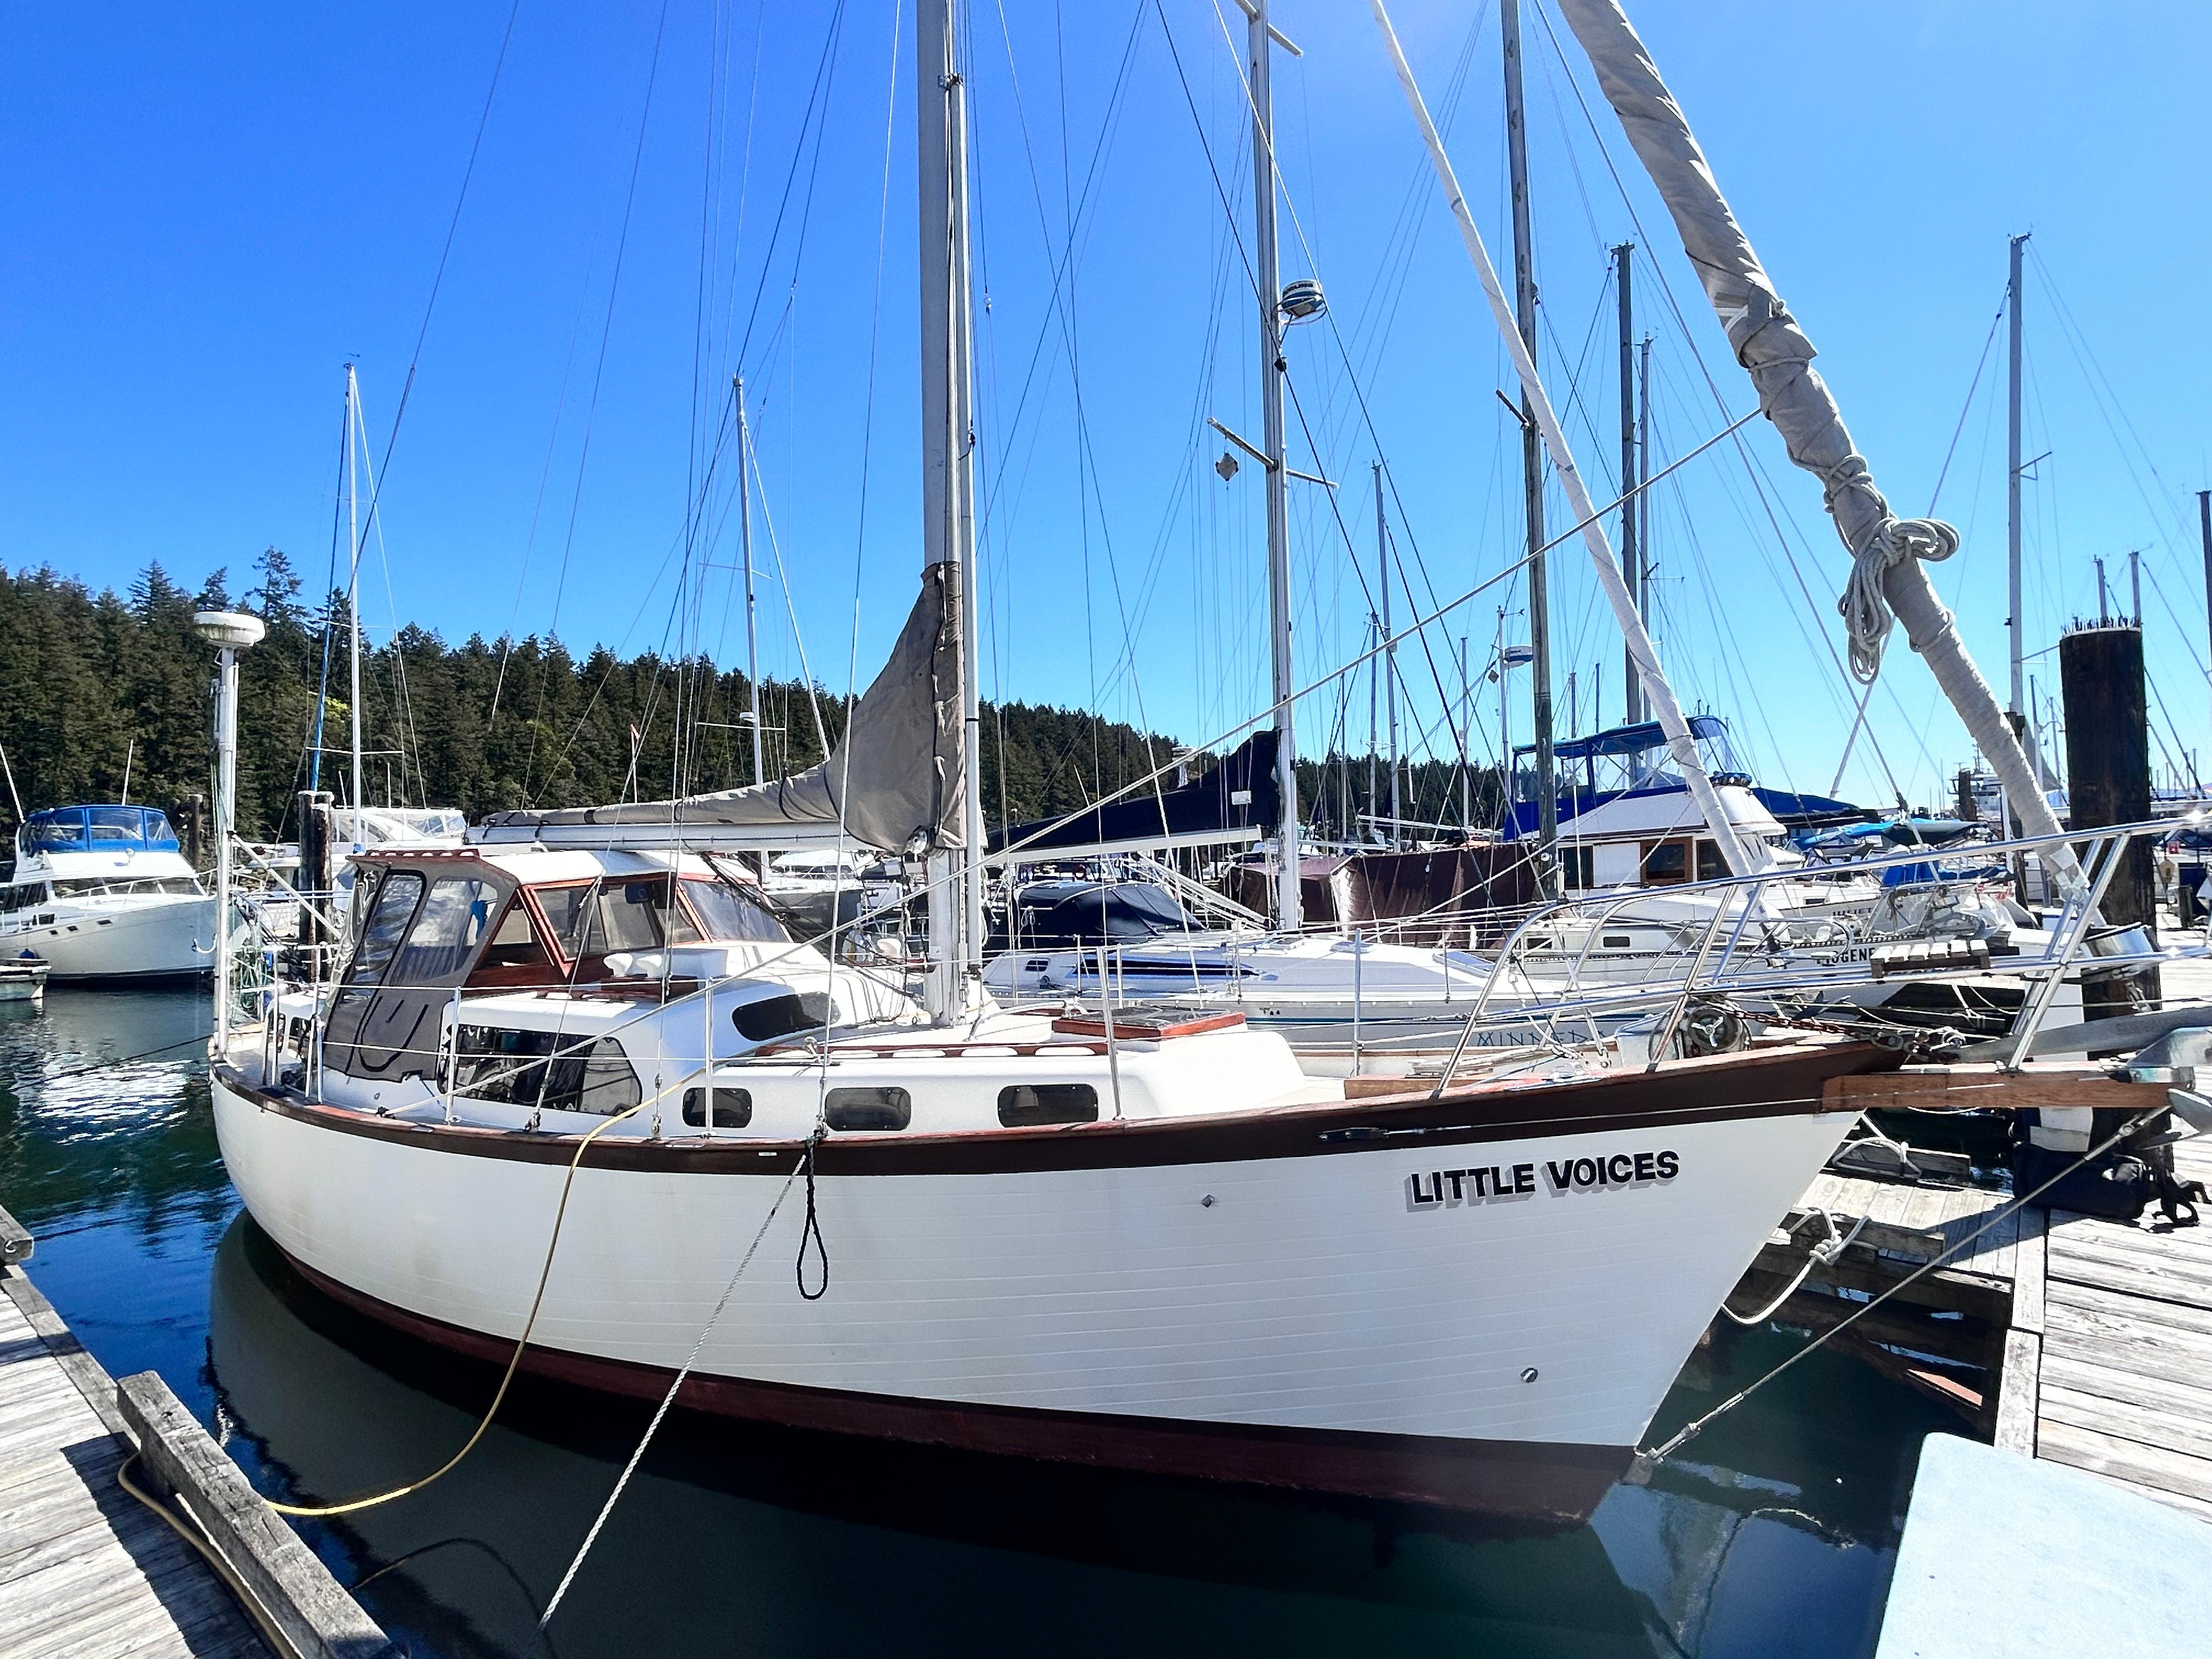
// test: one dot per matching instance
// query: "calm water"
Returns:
(1776, 1539)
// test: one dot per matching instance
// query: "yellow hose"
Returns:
(270, 1631)
(522, 1342)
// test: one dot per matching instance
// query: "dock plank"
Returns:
(2153, 1467)
(85, 1572)
(2019, 1381)
(2123, 1383)
(2149, 1426)
(2081, 1262)
(2030, 1263)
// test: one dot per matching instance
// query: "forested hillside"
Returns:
(88, 679)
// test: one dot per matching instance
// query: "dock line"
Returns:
(1645, 1463)
(514, 1362)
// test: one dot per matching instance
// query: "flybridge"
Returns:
(96, 830)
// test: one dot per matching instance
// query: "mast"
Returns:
(1743, 857)
(2204, 532)
(1624, 258)
(1289, 913)
(1466, 724)
(354, 439)
(746, 542)
(1646, 601)
(1390, 652)
(2015, 625)
(1532, 451)
(956, 887)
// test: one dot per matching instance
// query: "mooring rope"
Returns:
(684, 1375)
(513, 1363)
(1639, 1471)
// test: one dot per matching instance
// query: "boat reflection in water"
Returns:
(787, 1541)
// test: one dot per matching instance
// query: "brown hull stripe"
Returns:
(1780, 1083)
(1524, 1485)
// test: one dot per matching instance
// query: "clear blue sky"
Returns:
(206, 214)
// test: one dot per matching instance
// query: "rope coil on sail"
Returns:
(1864, 605)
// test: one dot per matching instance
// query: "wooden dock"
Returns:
(2108, 1363)
(87, 1570)
(2094, 1335)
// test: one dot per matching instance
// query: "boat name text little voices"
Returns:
(1493, 1183)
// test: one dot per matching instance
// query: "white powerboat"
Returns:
(106, 893)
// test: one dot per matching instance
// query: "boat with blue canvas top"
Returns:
(106, 893)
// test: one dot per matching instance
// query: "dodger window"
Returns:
(591, 919)
(387, 923)
(452, 922)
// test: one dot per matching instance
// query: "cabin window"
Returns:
(548, 1069)
(590, 919)
(1574, 864)
(113, 824)
(452, 921)
(1667, 860)
(1026, 1105)
(157, 826)
(1618, 941)
(387, 922)
(779, 1016)
(732, 1109)
(868, 1109)
(514, 957)
(46, 831)
(79, 889)
(1711, 866)
(725, 913)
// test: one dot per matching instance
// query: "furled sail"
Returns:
(1886, 551)
(896, 774)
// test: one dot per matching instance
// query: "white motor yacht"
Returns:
(106, 893)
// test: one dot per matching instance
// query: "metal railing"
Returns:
(1763, 958)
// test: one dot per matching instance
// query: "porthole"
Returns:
(868, 1109)
(732, 1107)
(1028, 1105)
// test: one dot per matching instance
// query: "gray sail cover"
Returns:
(896, 772)
(1886, 551)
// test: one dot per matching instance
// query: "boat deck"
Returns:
(86, 1571)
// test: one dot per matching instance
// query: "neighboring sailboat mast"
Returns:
(745, 544)
(1742, 857)
(1289, 905)
(955, 884)
(1624, 263)
(1532, 457)
(355, 439)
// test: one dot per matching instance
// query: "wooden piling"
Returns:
(2108, 780)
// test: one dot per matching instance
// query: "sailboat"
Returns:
(1144, 1241)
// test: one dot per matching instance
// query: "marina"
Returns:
(868, 1060)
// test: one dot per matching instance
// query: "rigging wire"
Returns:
(599, 377)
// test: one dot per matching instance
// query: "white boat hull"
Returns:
(139, 936)
(1341, 1314)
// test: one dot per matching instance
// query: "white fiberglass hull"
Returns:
(138, 936)
(1333, 1311)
